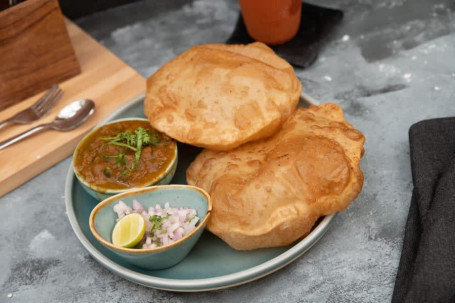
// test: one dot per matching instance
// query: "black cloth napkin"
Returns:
(315, 27)
(427, 267)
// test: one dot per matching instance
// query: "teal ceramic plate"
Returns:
(211, 264)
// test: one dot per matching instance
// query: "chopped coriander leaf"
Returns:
(157, 222)
(120, 159)
(119, 139)
(133, 141)
(190, 219)
(140, 133)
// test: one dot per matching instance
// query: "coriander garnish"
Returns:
(157, 223)
(133, 141)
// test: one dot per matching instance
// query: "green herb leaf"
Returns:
(157, 223)
(133, 141)
(139, 137)
(120, 159)
(124, 173)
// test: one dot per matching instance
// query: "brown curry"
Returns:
(109, 157)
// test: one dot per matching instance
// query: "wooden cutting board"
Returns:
(105, 79)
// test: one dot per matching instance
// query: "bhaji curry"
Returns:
(124, 154)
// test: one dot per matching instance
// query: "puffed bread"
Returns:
(270, 192)
(220, 96)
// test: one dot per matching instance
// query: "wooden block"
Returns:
(35, 50)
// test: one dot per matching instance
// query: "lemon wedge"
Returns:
(128, 231)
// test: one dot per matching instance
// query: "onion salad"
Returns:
(163, 226)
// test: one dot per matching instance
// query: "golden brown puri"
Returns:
(220, 96)
(271, 192)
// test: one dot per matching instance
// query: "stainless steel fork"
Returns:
(38, 109)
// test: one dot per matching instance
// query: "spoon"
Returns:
(69, 117)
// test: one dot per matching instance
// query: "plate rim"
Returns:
(191, 285)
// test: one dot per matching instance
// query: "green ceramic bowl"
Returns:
(101, 193)
(103, 218)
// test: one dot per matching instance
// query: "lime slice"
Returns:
(129, 230)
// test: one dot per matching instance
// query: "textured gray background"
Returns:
(389, 64)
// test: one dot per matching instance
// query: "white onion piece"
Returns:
(122, 209)
(137, 206)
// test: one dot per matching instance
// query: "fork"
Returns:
(38, 109)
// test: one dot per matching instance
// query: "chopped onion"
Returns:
(137, 206)
(122, 209)
(163, 225)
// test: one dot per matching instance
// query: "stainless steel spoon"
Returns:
(70, 117)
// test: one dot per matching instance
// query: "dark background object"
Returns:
(76, 9)
(4, 4)
(427, 266)
(316, 25)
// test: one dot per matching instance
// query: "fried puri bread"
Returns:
(270, 192)
(220, 96)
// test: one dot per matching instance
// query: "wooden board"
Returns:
(35, 50)
(104, 78)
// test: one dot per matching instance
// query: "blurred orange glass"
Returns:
(271, 21)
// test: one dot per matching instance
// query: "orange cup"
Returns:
(271, 21)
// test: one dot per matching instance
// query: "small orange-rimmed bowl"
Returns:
(162, 176)
(103, 219)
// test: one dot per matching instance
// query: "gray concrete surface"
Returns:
(389, 64)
